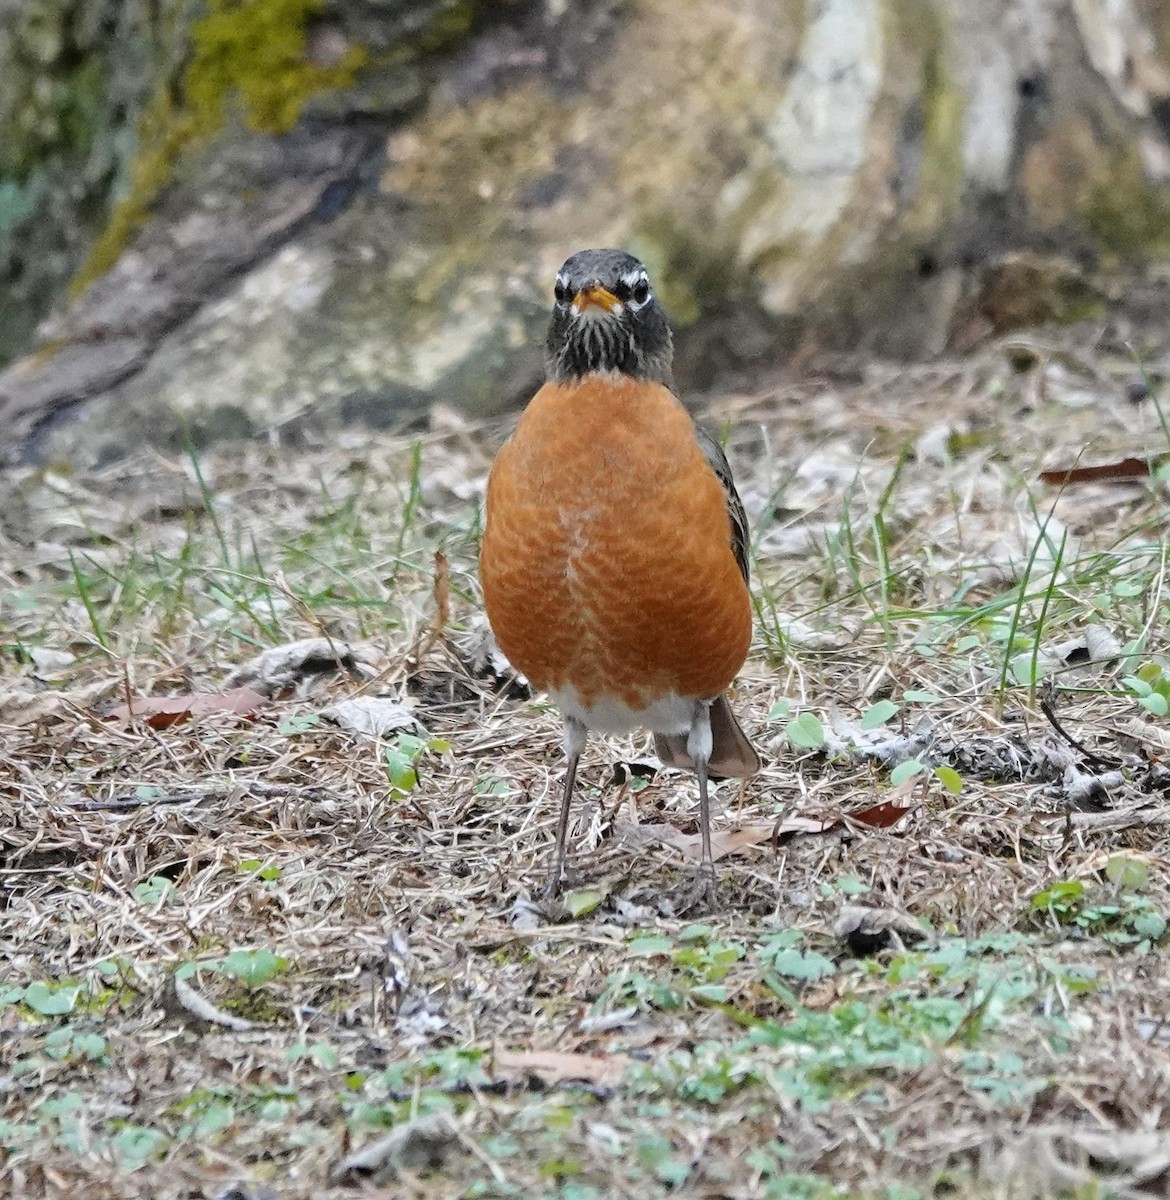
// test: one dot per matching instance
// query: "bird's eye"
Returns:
(560, 292)
(641, 292)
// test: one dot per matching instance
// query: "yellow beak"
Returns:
(594, 296)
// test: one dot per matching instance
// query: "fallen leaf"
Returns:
(161, 712)
(727, 842)
(881, 816)
(526, 915)
(1135, 734)
(630, 768)
(1097, 864)
(24, 707)
(371, 716)
(798, 824)
(281, 667)
(865, 930)
(690, 845)
(1126, 468)
(422, 1144)
(1096, 645)
(559, 1066)
(49, 661)
(583, 901)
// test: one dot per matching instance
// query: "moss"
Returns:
(941, 176)
(255, 1006)
(1123, 212)
(252, 54)
(247, 56)
(686, 271)
(450, 24)
(256, 50)
(938, 188)
(162, 136)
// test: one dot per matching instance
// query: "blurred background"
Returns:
(229, 218)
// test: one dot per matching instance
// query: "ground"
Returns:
(243, 943)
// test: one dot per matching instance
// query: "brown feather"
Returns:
(732, 755)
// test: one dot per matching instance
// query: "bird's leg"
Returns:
(699, 743)
(575, 734)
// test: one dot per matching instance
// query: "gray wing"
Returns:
(713, 452)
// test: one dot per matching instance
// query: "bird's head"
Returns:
(606, 318)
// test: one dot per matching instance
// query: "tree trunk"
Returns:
(75, 76)
(346, 209)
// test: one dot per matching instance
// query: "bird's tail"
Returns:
(732, 755)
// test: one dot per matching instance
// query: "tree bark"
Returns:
(347, 209)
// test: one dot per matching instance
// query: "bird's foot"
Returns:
(558, 882)
(701, 893)
(550, 898)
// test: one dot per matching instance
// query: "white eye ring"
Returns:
(638, 287)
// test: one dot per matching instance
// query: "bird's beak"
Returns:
(593, 295)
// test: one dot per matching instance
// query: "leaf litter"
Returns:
(276, 952)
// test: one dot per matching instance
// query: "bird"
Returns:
(614, 557)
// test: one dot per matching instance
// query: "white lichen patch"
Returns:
(818, 140)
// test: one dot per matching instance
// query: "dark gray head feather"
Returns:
(634, 339)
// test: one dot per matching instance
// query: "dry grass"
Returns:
(372, 941)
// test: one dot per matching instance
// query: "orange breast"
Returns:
(606, 561)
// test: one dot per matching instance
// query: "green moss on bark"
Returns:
(256, 51)
(1124, 213)
(938, 188)
(251, 55)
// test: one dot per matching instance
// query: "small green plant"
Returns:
(320, 1054)
(46, 999)
(156, 891)
(879, 714)
(843, 885)
(69, 1044)
(1150, 684)
(1062, 900)
(654, 1152)
(702, 961)
(402, 758)
(254, 968)
(267, 872)
(639, 991)
(1123, 918)
(298, 723)
(782, 955)
(1025, 669)
(912, 767)
(492, 785)
(88, 602)
(805, 732)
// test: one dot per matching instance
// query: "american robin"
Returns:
(614, 561)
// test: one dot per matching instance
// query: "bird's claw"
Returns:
(701, 893)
